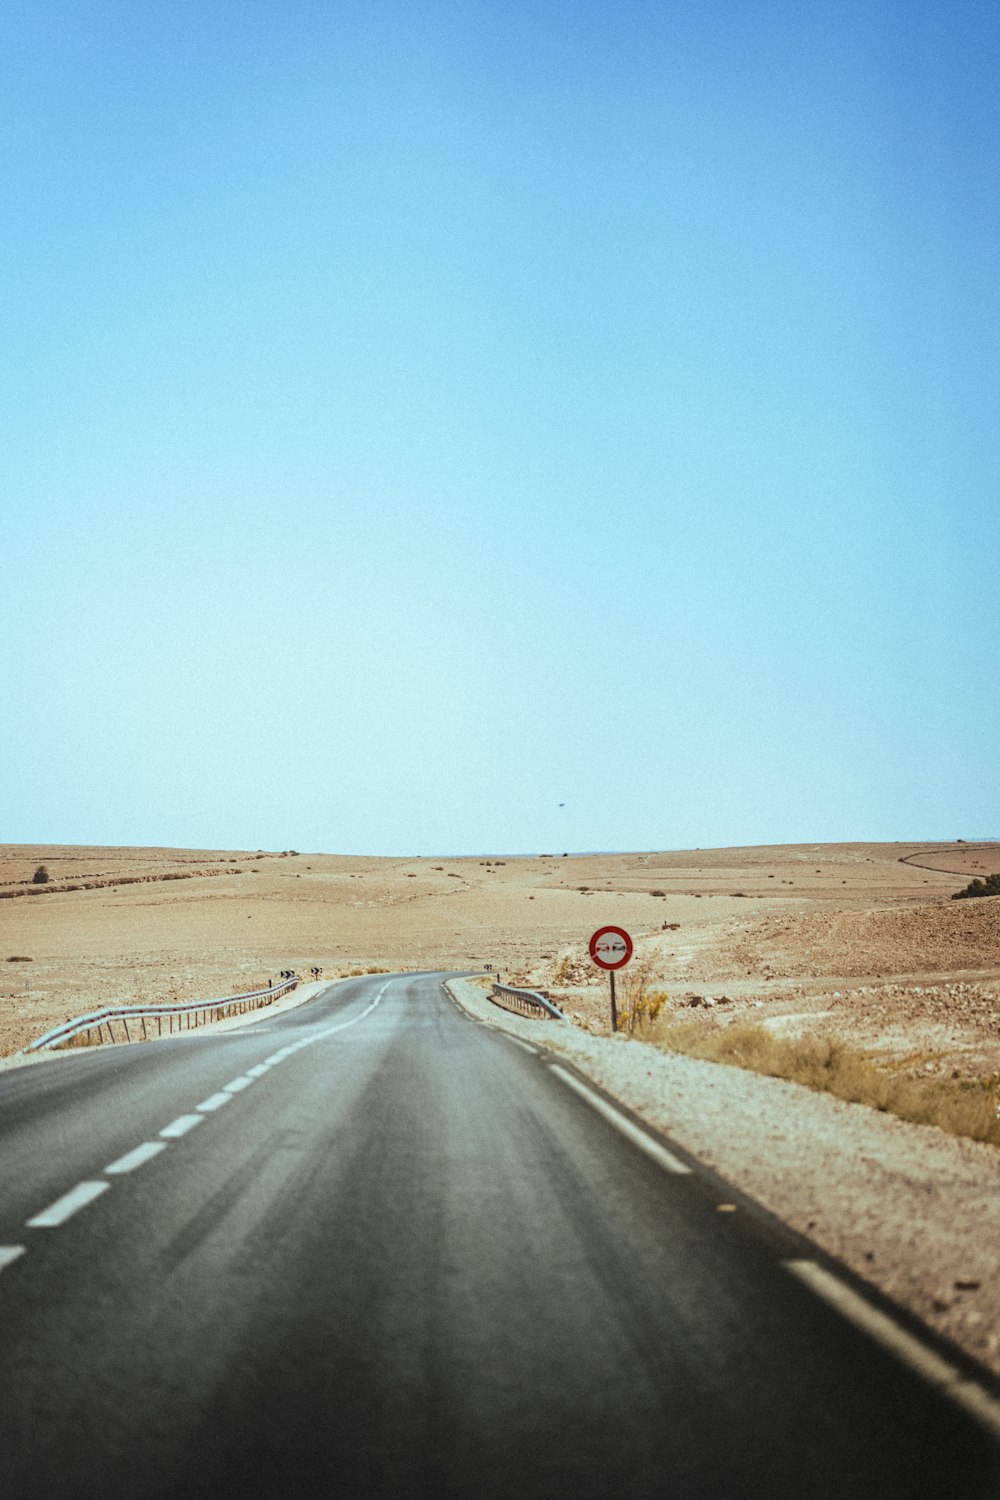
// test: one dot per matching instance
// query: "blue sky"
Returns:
(416, 416)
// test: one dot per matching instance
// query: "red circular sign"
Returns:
(611, 947)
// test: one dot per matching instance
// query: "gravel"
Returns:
(914, 1211)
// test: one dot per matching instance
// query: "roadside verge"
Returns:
(294, 998)
(906, 1207)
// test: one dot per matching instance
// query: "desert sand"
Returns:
(861, 939)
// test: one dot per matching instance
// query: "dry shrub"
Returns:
(639, 1005)
(828, 1065)
(564, 971)
(573, 970)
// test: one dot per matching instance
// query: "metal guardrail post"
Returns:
(97, 1020)
(528, 1002)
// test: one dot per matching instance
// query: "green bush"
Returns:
(988, 887)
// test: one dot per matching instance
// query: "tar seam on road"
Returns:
(638, 1137)
(65, 1207)
(931, 1368)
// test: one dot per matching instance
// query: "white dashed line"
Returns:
(86, 1192)
(638, 1137)
(209, 1106)
(330, 1030)
(181, 1126)
(65, 1207)
(308, 1041)
(880, 1327)
(136, 1158)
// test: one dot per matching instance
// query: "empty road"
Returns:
(372, 1248)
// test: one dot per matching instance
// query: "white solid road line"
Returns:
(9, 1253)
(181, 1126)
(621, 1122)
(136, 1158)
(216, 1101)
(65, 1207)
(879, 1326)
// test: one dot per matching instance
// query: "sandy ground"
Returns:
(857, 940)
(860, 939)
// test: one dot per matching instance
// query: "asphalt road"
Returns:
(407, 1258)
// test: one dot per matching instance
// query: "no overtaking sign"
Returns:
(611, 947)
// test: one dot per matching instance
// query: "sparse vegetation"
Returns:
(41, 876)
(828, 1065)
(640, 1005)
(988, 887)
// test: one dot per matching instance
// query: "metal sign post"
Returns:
(611, 949)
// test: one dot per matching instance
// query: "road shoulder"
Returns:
(906, 1207)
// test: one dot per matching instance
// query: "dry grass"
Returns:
(826, 1064)
(639, 1004)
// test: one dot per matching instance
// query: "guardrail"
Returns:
(525, 1002)
(217, 1010)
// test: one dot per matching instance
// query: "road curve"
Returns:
(372, 1248)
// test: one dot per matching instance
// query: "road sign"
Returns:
(611, 947)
